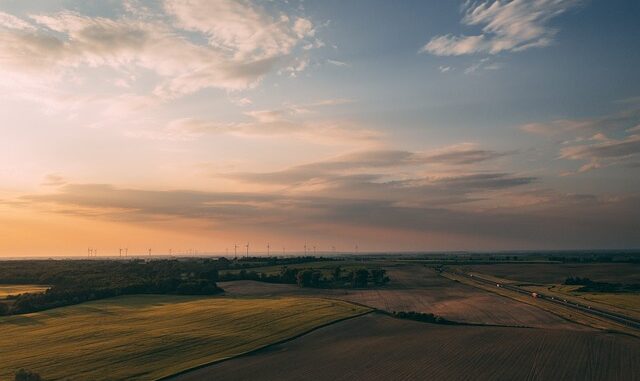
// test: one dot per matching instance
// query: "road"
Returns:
(584, 308)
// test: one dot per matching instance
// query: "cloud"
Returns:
(616, 122)
(441, 176)
(506, 26)
(338, 63)
(244, 30)
(8, 21)
(243, 101)
(444, 69)
(242, 43)
(54, 180)
(271, 123)
(460, 154)
(285, 121)
(589, 139)
(601, 151)
(604, 221)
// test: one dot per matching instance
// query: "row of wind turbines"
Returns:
(124, 252)
(307, 249)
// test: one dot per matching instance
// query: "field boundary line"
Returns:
(561, 311)
(250, 352)
(450, 322)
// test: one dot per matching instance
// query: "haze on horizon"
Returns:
(432, 126)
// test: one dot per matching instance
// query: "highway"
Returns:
(584, 308)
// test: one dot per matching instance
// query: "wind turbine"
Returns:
(268, 249)
(305, 248)
(235, 250)
(247, 246)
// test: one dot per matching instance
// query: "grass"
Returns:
(15, 289)
(146, 337)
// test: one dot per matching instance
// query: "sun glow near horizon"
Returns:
(194, 125)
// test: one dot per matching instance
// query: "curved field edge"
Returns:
(377, 347)
(270, 345)
(148, 337)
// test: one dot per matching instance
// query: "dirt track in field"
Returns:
(377, 347)
(418, 288)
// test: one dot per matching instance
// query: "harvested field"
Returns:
(15, 289)
(462, 305)
(375, 347)
(421, 289)
(554, 273)
(146, 337)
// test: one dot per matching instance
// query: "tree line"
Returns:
(73, 282)
(589, 285)
(338, 277)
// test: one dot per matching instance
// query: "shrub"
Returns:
(26, 375)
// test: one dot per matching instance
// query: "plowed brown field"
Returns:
(418, 288)
(376, 347)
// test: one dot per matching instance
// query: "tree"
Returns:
(379, 276)
(4, 309)
(26, 375)
(304, 278)
(361, 278)
(288, 275)
(316, 277)
(337, 273)
(210, 275)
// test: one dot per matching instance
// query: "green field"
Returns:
(15, 289)
(145, 337)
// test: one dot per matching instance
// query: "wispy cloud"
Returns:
(242, 43)
(338, 63)
(448, 175)
(615, 122)
(506, 26)
(600, 141)
(605, 219)
(292, 120)
(601, 151)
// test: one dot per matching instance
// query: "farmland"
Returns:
(375, 347)
(623, 303)
(553, 273)
(241, 330)
(150, 336)
(15, 289)
(421, 289)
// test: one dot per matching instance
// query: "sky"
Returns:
(191, 126)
